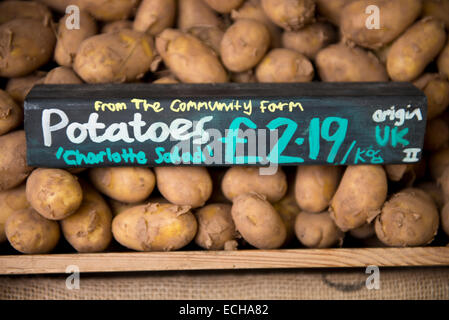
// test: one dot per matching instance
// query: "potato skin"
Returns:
(25, 45)
(11, 115)
(310, 39)
(13, 166)
(10, 10)
(216, 229)
(166, 80)
(340, 63)
(53, 193)
(415, 49)
(116, 26)
(437, 135)
(290, 14)
(155, 227)
(284, 65)
(434, 191)
(359, 197)
(89, 228)
(258, 222)
(191, 186)
(153, 16)
(365, 231)
(244, 44)
(445, 218)
(315, 186)
(409, 218)
(210, 36)
(11, 200)
(61, 5)
(68, 40)
(124, 184)
(18, 88)
(62, 75)
(188, 58)
(288, 210)
(317, 230)
(436, 88)
(443, 61)
(438, 162)
(28, 232)
(437, 9)
(224, 6)
(192, 13)
(331, 10)
(241, 180)
(123, 56)
(395, 16)
(110, 10)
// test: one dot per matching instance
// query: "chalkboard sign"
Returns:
(224, 124)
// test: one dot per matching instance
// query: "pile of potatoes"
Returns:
(212, 41)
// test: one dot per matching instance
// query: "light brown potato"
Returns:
(13, 165)
(310, 39)
(443, 61)
(224, 6)
(443, 182)
(25, 45)
(394, 17)
(437, 135)
(284, 65)
(216, 229)
(315, 186)
(210, 36)
(118, 207)
(28, 232)
(11, 115)
(438, 9)
(194, 13)
(359, 197)
(155, 227)
(153, 16)
(288, 210)
(244, 77)
(438, 162)
(317, 230)
(434, 191)
(166, 80)
(290, 14)
(331, 10)
(436, 89)
(240, 180)
(188, 58)
(110, 10)
(123, 56)
(89, 228)
(11, 201)
(10, 10)
(126, 184)
(340, 63)
(69, 40)
(18, 88)
(61, 5)
(406, 173)
(415, 49)
(244, 44)
(258, 222)
(191, 186)
(116, 26)
(445, 218)
(62, 75)
(365, 231)
(53, 193)
(382, 53)
(408, 219)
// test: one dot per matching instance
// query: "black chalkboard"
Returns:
(224, 124)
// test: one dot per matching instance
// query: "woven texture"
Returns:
(412, 283)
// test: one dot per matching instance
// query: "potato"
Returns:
(191, 186)
(28, 232)
(62, 75)
(409, 218)
(123, 56)
(258, 222)
(340, 63)
(331, 10)
(310, 39)
(394, 17)
(188, 58)
(415, 49)
(445, 218)
(166, 80)
(315, 186)
(69, 40)
(118, 207)
(18, 88)
(115, 26)
(193, 13)
(290, 14)
(382, 53)
(13, 165)
(210, 36)
(443, 61)
(11, 201)
(438, 162)
(61, 5)
(89, 228)
(244, 77)
(110, 10)
(284, 65)
(359, 197)
(155, 227)
(10, 10)
(317, 230)
(11, 115)
(436, 89)
(216, 230)
(288, 210)
(153, 16)
(437, 135)
(443, 182)
(54, 193)
(434, 191)
(124, 184)
(244, 44)
(365, 231)
(25, 45)
(224, 6)
(252, 9)
(240, 180)
(438, 9)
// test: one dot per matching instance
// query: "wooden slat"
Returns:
(220, 260)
